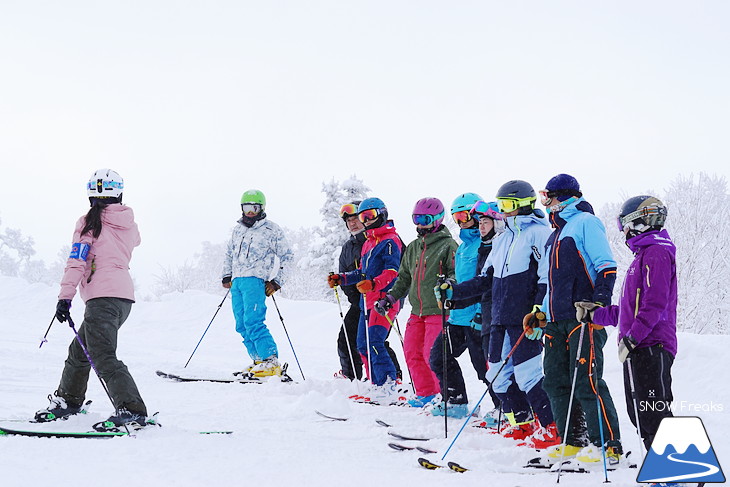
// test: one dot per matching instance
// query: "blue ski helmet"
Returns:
(374, 204)
(464, 202)
(562, 187)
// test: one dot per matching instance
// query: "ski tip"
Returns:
(332, 418)
(457, 468)
(383, 423)
(427, 464)
(397, 447)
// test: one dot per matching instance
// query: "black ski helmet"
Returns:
(641, 214)
(521, 192)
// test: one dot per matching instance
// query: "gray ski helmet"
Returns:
(516, 189)
(641, 214)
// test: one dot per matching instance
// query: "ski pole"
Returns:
(44, 339)
(206, 328)
(598, 402)
(444, 351)
(347, 338)
(367, 337)
(93, 366)
(634, 397)
(489, 386)
(402, 342)
(287, 337)
(570, 403)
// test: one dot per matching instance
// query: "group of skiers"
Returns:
(527, 294)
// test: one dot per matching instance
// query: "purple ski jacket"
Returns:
(647, 311)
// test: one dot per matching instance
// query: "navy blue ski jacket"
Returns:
(582, 267)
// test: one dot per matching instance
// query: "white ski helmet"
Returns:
(105, 183)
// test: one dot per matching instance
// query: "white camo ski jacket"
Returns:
(251, 251)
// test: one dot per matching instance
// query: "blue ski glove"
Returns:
(383, 305)
(63, 310)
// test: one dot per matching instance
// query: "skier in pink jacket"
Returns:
(99, 266)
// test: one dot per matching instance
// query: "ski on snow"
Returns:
(406, 438)
(399, 447)
(332, 418)
(235, 377)
(84, 434)
(61, 434)
(429, 465)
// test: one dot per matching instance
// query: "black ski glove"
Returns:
(63, 308)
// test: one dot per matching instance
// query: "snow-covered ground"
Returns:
(278, 439)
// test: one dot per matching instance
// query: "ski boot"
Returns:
(520, 431)
(123, 420)
(554, 455)
(422, 401)
(457, 411)
(59, 409)
(266, 368)
(544, 437)
(247, 370)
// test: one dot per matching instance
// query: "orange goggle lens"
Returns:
(461, 216)
(348, 209)
(366, 215)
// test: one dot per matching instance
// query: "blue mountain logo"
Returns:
(681, 451)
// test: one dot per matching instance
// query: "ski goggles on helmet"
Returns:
(423, 220)
(507, 205)
(463, 216)
(482, 208)
(369, 214)
(250, 207)
(547, 196)
(651, 215)
(348, 209)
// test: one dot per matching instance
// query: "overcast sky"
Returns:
(195, 102)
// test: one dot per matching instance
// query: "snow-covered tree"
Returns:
(698, 221)
(15, 251)
(203, 273)
(321, 258)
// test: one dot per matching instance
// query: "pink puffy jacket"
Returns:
(105, 273)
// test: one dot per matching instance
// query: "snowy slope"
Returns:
(278, 439)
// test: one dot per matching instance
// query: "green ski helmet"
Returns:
(254, 197)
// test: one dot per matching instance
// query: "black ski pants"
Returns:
(102, 319)
(652, 370)
(460, 339)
